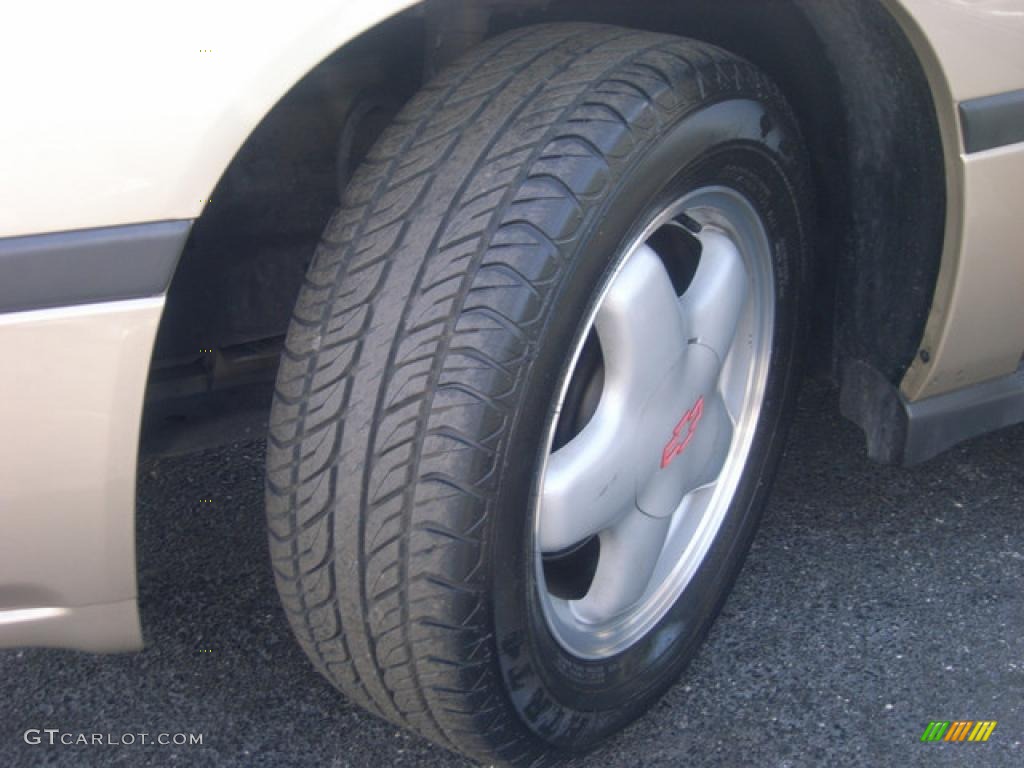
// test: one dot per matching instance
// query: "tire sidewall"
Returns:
(742, 144)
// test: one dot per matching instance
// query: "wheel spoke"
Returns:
(588, 483)
(714, 301)
(735, 375)
(629, 554)
(641, 329)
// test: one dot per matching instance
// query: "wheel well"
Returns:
(868, 118)
(861, 97)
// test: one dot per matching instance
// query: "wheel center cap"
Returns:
(679, 433)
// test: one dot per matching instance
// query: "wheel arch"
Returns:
(875, 110)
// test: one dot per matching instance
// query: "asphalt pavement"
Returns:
(875, 600)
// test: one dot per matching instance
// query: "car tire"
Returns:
(442, 453)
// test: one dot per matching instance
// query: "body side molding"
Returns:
(90, 265)
(992, 121)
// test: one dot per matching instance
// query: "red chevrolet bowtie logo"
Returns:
(683, 433)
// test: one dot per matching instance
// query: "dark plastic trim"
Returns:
(901, 432)
(940, 422)
(992, 121)
(89, 265)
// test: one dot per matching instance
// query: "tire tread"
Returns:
(410, 339)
